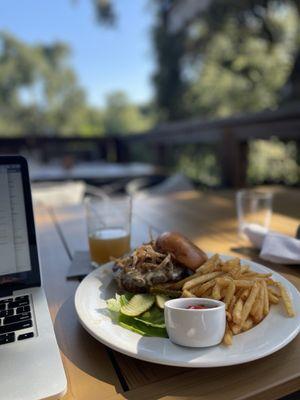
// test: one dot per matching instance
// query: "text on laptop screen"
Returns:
(14, 246)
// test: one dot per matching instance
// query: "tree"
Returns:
(225, 59)
(39, 94)
(105, 12)
(121, 116)
(169, 53)
(242, 71)
(244, 54)
(16, 70)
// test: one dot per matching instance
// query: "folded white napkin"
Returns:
(256, 234)
(274, 246)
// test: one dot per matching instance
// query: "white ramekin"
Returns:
(195, 328)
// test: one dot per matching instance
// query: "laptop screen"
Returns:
(14, 244)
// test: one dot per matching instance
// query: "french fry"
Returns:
(244, 295)
(228, 316)
(286, 300)
(236, 329)
(274, 291)
(253, 274)
(259, 306)
(231, 305)
(272, 298)
(230, 264)
(243, 283)
(227, 339)
(223, 281)
(249, 275)
(210, 265)
(207, 294)
(236, 273)
(229, 293)
(237, 312)
(179, 284)
(248, 295)
(227, 288)
(233, 266)
(199, 290)
(244, 269)
(216, 292)
(187, 293)
(255, 307)
(270, 282)
(248, 324)
(266, 307)
(267, 275)
(249, 302)
(223, 292)
(201, 279)
(239, 292)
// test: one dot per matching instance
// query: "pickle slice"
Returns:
(160, 300)
(137, 305)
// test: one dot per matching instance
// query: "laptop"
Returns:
(30, 363)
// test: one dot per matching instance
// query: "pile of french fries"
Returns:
(248, 295)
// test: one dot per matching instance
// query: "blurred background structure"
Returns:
(215, 89)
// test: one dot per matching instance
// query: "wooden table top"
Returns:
(94, 371)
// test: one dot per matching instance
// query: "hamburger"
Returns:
(167, 259)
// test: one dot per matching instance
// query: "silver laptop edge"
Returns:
(30, 363)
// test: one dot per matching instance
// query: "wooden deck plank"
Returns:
(87, 365)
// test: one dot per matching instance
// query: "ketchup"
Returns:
(197, 307)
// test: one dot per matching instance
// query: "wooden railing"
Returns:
(229, 136)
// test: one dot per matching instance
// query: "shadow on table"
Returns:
(247, 251)
(293, 396)
(85, 352)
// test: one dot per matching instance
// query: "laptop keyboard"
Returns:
(15, 315)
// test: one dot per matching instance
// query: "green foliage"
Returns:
(200, 164)
(122, 117)
(239, 69)
(93, 123)
(234, 57)
(269, 161)
(105, 12)
(39, 95)
(273, 161)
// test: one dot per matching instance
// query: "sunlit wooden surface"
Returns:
(94, 371)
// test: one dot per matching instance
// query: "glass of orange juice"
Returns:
(108, 226)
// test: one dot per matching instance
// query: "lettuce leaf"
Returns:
(139, 327)
(153, 317)
(115, 304)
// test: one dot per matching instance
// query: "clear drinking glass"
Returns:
(108, 226)
(254, 210)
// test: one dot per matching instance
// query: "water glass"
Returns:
(254, 210)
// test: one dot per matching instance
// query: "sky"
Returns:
(104, 59)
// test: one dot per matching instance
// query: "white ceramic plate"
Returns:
(273, 333)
